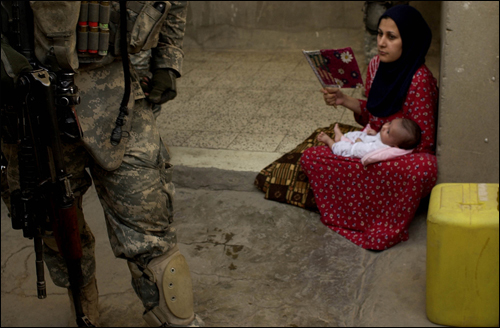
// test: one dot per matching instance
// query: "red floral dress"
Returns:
(373, 206)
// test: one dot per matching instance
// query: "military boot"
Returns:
(197, 322)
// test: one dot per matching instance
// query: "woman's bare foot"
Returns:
(324, 138)
(338, 133)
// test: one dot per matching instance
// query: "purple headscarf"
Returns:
(392, 80)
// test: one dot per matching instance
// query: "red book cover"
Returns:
(335, 67)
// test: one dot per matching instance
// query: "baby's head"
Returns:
(402, 133)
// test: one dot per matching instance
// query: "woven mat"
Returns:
(284, 181)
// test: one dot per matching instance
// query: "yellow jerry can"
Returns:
(462, 255)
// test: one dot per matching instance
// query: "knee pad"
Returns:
(171, 274)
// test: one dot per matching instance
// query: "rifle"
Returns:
(45, 201)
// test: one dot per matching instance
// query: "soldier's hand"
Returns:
(163, 87)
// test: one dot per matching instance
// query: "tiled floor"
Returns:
(249, 101)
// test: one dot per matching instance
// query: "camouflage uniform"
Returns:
(132, 180)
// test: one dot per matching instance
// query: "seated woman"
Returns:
(371, 206)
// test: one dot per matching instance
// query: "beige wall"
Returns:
(278, 25)
(468, 147)
(273, 25)
(278, 15)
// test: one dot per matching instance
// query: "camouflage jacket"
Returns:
(168, 53)
(101, 84)
(100, 105)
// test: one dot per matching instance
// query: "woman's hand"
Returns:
(333, 96)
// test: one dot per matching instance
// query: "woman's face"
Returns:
(389, 42)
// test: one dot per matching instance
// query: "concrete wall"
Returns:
(468, 147)
(273, 25)
(278, 25)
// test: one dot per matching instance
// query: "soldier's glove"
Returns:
(162, 87)
(13, 63)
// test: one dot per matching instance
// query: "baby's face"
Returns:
(392, 133)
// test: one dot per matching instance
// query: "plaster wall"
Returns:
(468, 128)
(278, 25)
(273, 25)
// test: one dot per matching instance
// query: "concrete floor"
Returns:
(240, 110)
(240, 102)
(254, 262)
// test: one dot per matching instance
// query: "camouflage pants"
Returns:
(136, 198)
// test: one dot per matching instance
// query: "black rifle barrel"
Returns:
(42, 126)
(40, 278)
(43, 121)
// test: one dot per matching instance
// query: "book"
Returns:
(335, 68)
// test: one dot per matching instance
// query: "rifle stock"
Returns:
(46, 194)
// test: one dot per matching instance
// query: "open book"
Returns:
(336, 68)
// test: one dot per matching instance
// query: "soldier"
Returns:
(131, 172)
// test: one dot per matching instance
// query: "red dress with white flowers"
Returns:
(373, 206)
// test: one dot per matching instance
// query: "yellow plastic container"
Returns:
(462, 255)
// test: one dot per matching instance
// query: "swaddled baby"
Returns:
(400, 132)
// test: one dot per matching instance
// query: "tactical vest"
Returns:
(87, 33)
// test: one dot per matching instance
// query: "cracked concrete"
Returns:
(253, 262)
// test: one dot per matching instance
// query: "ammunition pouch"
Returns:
(145, 22)
(91, 29)
(55, 43)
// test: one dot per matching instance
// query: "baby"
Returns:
(400, 132)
